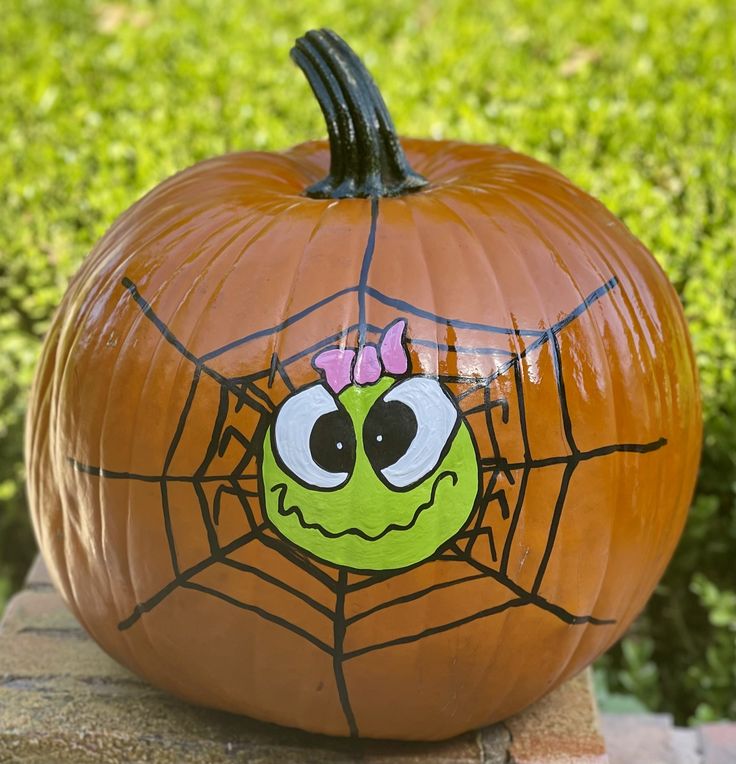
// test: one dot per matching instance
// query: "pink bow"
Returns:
(343, 366)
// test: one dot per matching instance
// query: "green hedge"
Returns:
(636, 102)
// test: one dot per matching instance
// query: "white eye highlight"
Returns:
(423, 420)
(314, 439)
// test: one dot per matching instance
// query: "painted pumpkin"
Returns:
(389, 454)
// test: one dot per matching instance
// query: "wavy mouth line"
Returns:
(282, 488)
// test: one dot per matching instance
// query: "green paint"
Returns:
(379, 528)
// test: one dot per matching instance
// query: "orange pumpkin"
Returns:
(246, 334)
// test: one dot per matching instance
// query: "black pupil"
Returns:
(332, 442)
(388, 431)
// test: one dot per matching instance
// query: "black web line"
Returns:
(145, 478)
(405, 307)
(199, 363)
(261, 612)
(364, 270)
(246, 393)
(409, 638)
(508, 545)
(412, 597)
(166, 510)
(279, 327)
(338, 655)
(569, 467)
(533, 598)
(546, 335)
(150, 603)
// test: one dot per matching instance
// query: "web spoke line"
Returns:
(279, 327)
(562, 393)
(365, 267)
(580, 456)
(97, 471)
(555, 524)
(163, 487)
(534, 598)
(338, 654)
(508, 544)
(199, 363)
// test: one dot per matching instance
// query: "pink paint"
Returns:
(336, 364)
(367, 366)
(341, 366)
(394, 357)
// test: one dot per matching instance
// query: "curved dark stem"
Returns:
(366, 156)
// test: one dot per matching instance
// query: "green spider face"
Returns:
(375, 478)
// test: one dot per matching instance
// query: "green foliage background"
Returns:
(635, 101)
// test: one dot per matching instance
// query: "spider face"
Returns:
(374, 478)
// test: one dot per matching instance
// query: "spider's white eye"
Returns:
(314, 439)
(408, 431)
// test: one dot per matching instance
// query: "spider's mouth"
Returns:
(283, 510)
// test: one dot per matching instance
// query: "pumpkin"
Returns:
(371, 437)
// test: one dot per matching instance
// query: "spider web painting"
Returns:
(481, 552)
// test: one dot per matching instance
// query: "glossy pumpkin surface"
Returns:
(201, 312)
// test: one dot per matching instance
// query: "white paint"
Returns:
(436, 417)
(292, 430)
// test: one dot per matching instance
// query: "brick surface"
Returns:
(62, 699)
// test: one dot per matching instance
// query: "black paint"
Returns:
(388, 431)
(332, 442)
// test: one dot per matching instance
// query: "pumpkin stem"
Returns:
(366, 157)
